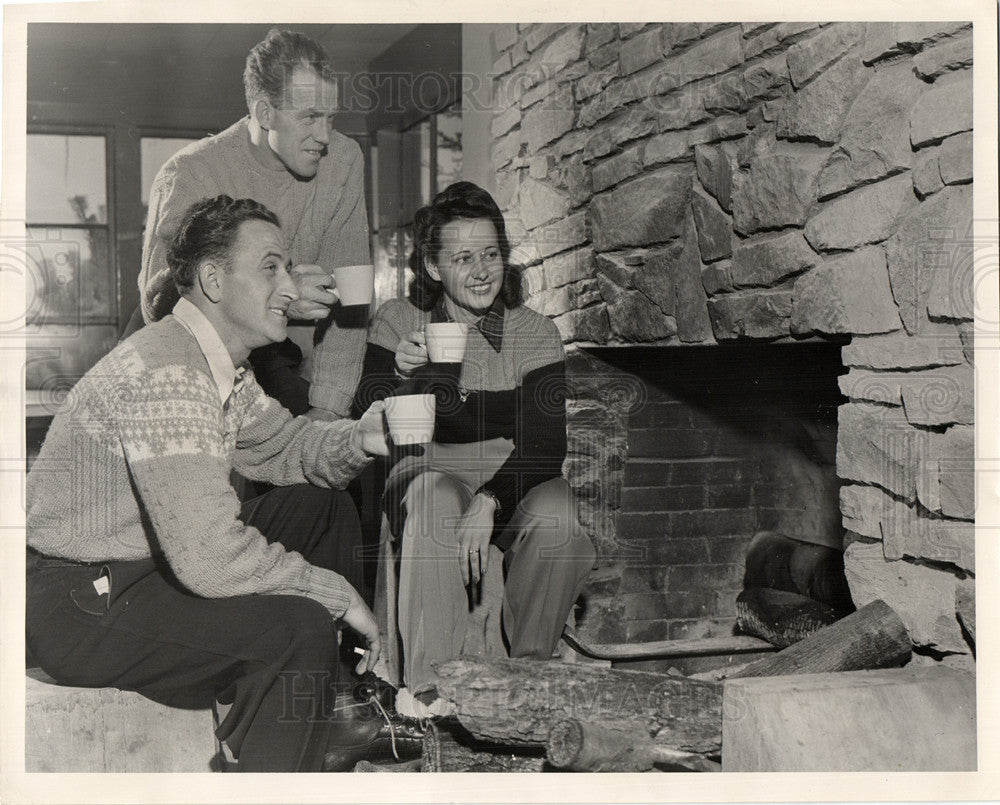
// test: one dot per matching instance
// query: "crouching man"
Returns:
(144, 571)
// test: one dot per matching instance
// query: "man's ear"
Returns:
(209, 280)
(432, 269)
(263, 113)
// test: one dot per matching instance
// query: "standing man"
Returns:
(144, 571)
(287, 156)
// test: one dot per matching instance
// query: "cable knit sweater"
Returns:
(323, 220)
(137, 464)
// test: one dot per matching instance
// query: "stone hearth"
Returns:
(723, 183)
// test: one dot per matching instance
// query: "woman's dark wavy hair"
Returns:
(209, 231)
(462, 200)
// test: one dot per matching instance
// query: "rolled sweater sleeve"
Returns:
(275, 447)
(340, 338)
(171, 430)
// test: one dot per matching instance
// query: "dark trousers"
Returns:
(274, 658)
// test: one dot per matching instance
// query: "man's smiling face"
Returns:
(299, 130)
(256, 288)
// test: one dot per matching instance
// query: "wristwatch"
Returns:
(496, 501)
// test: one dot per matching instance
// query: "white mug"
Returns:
(411, 418)
(355, 284)
(446, 341)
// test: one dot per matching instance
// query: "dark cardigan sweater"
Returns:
(518, 393)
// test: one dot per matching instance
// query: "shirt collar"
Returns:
(490, 325)
(219, 361)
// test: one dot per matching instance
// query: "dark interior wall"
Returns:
(414, 77)
(176, 74)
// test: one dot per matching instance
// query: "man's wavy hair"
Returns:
(462, 200)
(208, 232)
(270, 64)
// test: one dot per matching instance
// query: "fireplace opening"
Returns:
(707, 449)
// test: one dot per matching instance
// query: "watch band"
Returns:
(496, 501)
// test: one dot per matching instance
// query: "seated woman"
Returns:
(493, 471)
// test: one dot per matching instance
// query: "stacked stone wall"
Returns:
(699, 183)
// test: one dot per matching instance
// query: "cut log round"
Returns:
(442, 753)
(873, 637)
(518, 701)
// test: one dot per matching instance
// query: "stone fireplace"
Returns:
(756, 240)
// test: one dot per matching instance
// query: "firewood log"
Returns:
(442, 753)
(780, 617)
(585, 746)
(366, 766)
(873, 637)
(517, 701)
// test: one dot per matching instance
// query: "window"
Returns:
(417, 164)
(439, 140)
(71, 317)
(72, 278)
(449, 146)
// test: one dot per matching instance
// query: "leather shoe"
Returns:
(368, 736)
(370, 687)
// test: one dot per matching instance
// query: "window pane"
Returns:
(153, 154)
(66, 179)
(391, 249)
(69, 276)
(449, 147)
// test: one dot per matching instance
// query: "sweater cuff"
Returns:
(356, 458)
(331, 399)
(330, 589)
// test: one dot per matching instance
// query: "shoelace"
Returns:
(392, 730)
(372, 699)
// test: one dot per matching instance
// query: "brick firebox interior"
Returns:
(688, 453)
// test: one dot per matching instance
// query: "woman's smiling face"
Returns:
(469, 266)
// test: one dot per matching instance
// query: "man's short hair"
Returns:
(208, 232)
(270, 64)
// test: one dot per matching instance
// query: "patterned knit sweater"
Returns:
(137, 464)
(518, 393)
(323, 220)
